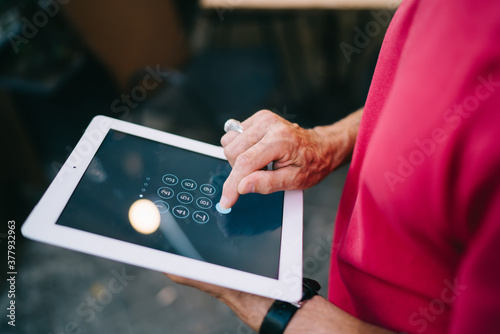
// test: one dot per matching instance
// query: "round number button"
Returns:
(165, 192)
(185, 198)
(204, 203)
(180, 211)
(200, 217)
(170, 179)
(162, 206)
(188, 184)
(207, 189)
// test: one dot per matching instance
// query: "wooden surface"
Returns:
(301, 4)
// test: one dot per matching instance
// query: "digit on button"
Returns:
(188, 184)
(170, 179)
(162, 206)
(185, 198)
(200, 217)
(207, 189)
(204, 203)
(180, 211)
(165, 192)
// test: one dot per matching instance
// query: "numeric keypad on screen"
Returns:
(185, 198)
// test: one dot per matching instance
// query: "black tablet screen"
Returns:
(184, 186)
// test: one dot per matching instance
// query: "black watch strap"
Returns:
(280, 313)
(310, 288)
(277, 318)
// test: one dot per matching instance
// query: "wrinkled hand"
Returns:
(299, 156)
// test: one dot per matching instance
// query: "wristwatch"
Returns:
(280, 313)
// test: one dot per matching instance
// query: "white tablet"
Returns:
(149, 198)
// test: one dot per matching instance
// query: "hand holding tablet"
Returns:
(150, 198)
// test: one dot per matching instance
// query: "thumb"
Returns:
(266, 182)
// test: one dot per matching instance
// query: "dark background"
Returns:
(288, 61)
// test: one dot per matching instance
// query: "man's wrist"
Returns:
(338, 139)
(280, 313)
(251, 309)
(278, 317)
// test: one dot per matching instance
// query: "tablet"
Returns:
(149, 198)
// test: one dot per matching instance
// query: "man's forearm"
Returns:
(316, 316)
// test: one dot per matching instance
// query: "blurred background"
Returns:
(178, 66)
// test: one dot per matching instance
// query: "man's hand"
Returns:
(251, 309)
(316, 316)
(301, 157)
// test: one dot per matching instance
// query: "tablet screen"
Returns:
(164, 197)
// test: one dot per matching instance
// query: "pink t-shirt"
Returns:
(417, 236)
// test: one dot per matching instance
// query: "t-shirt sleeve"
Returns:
(476, 308)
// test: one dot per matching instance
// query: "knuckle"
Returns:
(244, 159)
(283, 132)
(264, 112)
(251, 137)
(223, 141)
(228, 152)
(227, 138)
(268, 116)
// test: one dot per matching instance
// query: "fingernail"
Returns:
(224, 203)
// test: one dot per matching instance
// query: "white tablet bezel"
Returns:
(41, 223)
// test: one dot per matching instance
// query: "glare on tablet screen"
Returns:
(144, 216)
